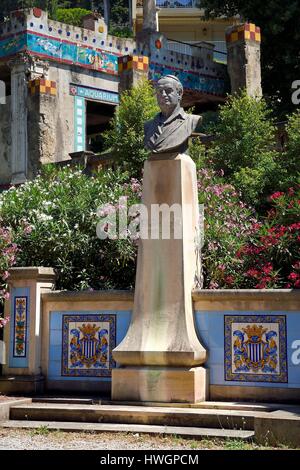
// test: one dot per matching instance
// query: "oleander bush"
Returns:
(8, 253)
(59, 209)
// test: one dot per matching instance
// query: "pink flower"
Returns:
(294, 276)
(276, 195)
(5, 275)
(27, 229)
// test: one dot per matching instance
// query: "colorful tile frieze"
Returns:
(88, 341)
(61, 51)
(255, 348)
(73, 53)
(12, 45)
(191, 80)
(20, 326)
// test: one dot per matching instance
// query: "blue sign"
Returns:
(94, 94)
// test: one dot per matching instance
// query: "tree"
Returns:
(279, 22)
(243, 149)
(126, 136)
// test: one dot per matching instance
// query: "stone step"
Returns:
(188, 417)
(191, 432)
(67, 400)
(215, 405)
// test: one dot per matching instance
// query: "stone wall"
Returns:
(5, 140)
(252, 338)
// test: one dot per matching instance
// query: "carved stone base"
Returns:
(158, 384)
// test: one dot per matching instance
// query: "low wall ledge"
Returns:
(246, 294)
(39, 273)
(96, 295)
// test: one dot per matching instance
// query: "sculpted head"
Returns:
(169, 93)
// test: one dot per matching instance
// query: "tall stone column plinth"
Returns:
(161, 355)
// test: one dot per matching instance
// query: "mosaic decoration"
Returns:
(135, 62)
(94, 94)
(244, 32)
(88, 341)
(73, 53)
(255, 348)
(42, 86)
(190, 80)
(80, 124)
(61, 51)
(20, 326)
(12, 45)
(125, 63)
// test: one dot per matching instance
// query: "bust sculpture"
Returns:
(170, 129)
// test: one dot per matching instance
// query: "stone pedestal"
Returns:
(22, 371)
(161, 351)
(159, 384)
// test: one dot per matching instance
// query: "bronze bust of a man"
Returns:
(170, 129)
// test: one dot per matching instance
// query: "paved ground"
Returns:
(43, 439)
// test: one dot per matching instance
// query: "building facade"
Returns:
(60, 84)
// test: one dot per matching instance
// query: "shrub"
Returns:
(289, 173)
(243, 149)
(228, 225)
(271, 257)
(8, 252)
(59, 210)
(71, 16)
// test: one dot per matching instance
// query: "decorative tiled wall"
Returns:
(251, 348)
(19, 327)
(190, 80)
(88, 341)
(81, 343)
(255, 348)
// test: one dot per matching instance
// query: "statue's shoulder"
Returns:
(151, 123)
(195, 121)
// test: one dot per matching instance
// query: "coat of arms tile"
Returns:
(255, 348)
(87, 344)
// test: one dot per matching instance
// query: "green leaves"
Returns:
(126, 136)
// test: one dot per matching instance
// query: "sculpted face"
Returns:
(168, 95)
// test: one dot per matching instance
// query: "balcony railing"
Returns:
(177, 3)
(219, 52)
(173, 3)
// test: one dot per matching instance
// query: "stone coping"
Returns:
(96, 295)
(246, 294)
(38, 273)
(205, 294)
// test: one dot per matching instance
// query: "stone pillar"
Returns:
(243, 58)
(19, 140)
(131, 70)
(161, 353)
(22, 335)
(150, 20)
